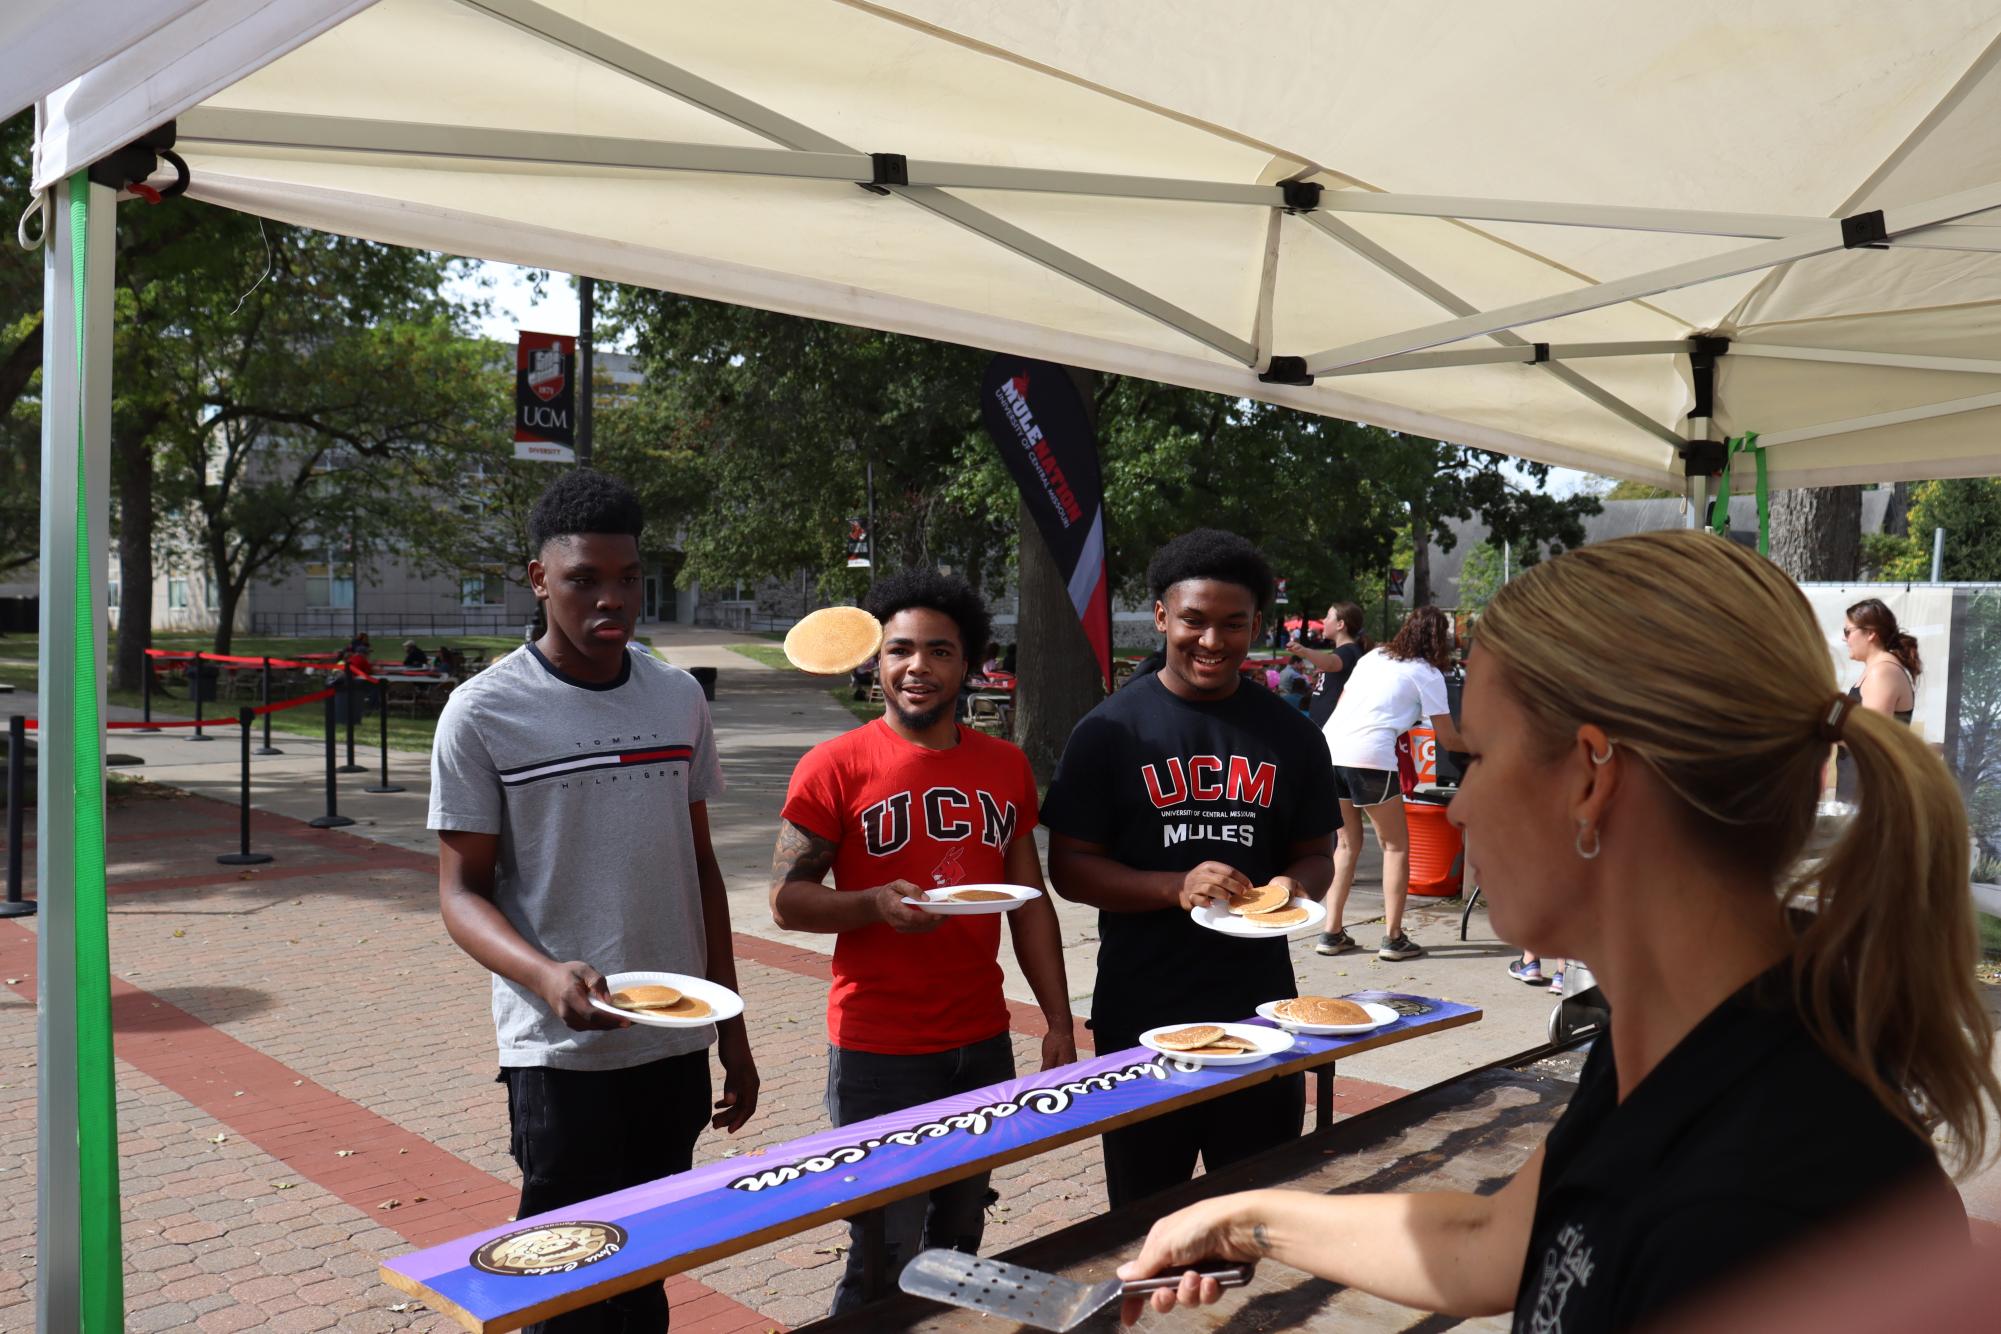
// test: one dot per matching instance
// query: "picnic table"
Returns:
(505, 1277)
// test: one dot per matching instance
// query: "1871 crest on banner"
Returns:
(553, 1248)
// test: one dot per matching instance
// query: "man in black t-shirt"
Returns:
(1172, 793)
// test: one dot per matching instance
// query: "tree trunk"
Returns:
(1057, 680)
(1897, 520)
(133, 462)
(1420, 555)
(1817, 532)
(228, 597)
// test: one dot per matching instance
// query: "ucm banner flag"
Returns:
(1038, 418)
(545, 398)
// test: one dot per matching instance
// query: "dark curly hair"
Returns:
(584, 501)
(1210, 553)
(1424, 636)
(933, 591)
(1875, 616)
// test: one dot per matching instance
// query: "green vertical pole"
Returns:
(80, 1270)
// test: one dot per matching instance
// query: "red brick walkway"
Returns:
(306, 1086)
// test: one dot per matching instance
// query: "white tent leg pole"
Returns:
(76, 406)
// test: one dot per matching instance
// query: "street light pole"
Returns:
(587, 291)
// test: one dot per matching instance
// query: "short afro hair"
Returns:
(937, 592)
(584, 501)
(1210, 553)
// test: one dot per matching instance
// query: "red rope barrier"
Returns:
(231, 720)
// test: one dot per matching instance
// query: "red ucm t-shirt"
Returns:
(900, 811)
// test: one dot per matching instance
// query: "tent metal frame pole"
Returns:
(1523, 353)
(1820, 239)
(66, 383)
(1901, 417)
(1422, 283)
(1261, 323)
(773, 125)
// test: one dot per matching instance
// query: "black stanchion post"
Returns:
(264, 698)
(333, 819)
(195, 689)
(17, 800)
(349, 702)
(146, 693)
(243, 856)
(382, 711)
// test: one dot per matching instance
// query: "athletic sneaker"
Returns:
(1556, 983)
(1335, 942)
(1530, 972)
(1400, 946)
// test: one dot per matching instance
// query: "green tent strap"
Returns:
(102, 1300)
(1719, 510)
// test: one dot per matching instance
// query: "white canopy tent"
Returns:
(1578, 233)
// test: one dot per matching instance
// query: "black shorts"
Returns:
(1366, 787)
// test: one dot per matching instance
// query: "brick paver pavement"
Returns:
(306, 1086)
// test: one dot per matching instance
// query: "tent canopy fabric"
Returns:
(1524, 215)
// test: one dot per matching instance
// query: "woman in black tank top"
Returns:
(1890, 670)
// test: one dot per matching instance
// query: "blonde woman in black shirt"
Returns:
(1767, 1073)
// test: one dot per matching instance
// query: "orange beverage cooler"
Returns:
(1435, 845)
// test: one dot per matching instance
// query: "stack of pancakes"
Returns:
(1267, 906)
(663, 1001)
(1203, 1040)
(1321, 1011)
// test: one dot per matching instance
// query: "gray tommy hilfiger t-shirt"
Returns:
(588, 788)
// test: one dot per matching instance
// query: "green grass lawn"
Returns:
(18, 668)
(771, 655)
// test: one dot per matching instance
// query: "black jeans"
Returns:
(1148, 1157)
(578, 1134)
(862, 1084)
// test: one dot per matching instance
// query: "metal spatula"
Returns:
(1031, 1297)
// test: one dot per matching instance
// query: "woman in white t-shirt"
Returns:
(1391, 690)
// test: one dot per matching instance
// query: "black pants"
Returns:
(862, 1084)
(1150, 1156)
(578, 1134)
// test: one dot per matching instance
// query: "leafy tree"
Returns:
(1639, 491)
(1479, 576)
(1969, 509)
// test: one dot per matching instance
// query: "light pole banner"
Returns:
(1040, 423)
(545, 398)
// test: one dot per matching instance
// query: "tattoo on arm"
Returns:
(1260, 1239)
(799, 855)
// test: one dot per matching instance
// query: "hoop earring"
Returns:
(1596, 846)
(1606, 758)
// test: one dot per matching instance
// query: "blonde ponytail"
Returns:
(1885, 965)
(1885, 968)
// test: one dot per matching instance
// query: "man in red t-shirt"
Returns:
(908, 803)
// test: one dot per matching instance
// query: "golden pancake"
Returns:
(978, 895)
(1213, 1050)
(686, 1008)
(645, 998)
(1279, 920)
(1322, 1011)
(1231, 1042)
(1188, 1039)
(1263, 899)
(833, 640)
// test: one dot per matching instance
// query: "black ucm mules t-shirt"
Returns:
(1166, 784)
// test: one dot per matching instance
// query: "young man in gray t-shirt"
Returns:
(569, 784)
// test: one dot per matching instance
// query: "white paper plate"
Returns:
(725, 1004)
(1379, 1015)
(939, 901)
(1271, 1042)
(1218, 917)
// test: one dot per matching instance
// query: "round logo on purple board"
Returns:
(553, 1248)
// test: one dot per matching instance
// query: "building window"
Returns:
(327, 587)
(214, 594)
(111, 591)
(482, 590)
(177, 593)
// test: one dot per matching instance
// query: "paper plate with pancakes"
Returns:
(1216, 1044)
(1327, 1016)
(669, 1000)
(1262, 913)
(833, 641)
(973, 900)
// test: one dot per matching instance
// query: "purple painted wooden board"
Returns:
(506, 1277)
